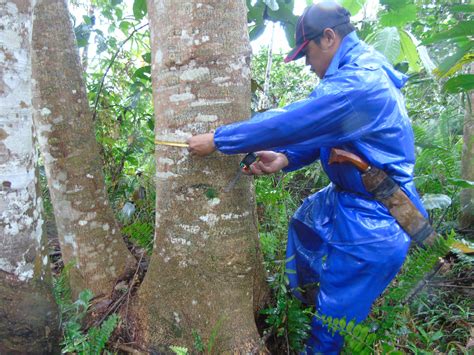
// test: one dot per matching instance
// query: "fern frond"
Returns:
(357, 337)
(98, 337)
(61, 288)
(418, 263)
(178, 350)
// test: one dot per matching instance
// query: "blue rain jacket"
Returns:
(341, 237)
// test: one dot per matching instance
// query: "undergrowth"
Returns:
(395, 325)
(72, 313)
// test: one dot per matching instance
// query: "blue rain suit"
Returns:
(341, 238)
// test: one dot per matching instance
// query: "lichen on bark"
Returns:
(28, 314)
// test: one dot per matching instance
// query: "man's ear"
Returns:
(329, 39)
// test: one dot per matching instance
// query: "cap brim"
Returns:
(297, 52)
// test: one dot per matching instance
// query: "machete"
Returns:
(388, 192)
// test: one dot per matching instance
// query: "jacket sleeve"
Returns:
(299, 155)
(327, 120)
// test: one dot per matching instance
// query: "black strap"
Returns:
(385, 189)
(423, 233)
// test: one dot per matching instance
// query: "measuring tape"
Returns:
(172, 144)
(248, 160)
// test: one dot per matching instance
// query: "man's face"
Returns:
(319, 56)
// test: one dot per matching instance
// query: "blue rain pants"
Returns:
(350, 275)
(340, 238)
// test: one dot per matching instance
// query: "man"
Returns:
(344, 245)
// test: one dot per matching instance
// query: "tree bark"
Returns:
(467, 195)
(88, 232)
(28, 313)
(206, 272)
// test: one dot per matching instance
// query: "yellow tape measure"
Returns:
(172, 144)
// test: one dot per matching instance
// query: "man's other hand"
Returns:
(269, 162)
(201, 144)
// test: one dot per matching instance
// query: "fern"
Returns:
(62, 290)
(436, 160)
(142, 233)
(75, 340)
(98, 337)
(418, 263)
(214, 333)
(179, 350)
(359, 339)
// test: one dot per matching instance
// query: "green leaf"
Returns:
(139, 9)
(256, 31)
(118, 13)
(409, 51)
(124, 26)
(101, 43)
(284, 14)
(465, 184)
(436, 336)
(460, 83)
(255, 13)
(178, 350)
(82, 32)
(290, 34)
(143, 73)
(454, 62)
(432, 201)
(87, 20)
(147, 57)
(342, 324)
(460, 33)
(353, 6)
(394, 4)
(402, 67)
(399, 17)
(350, 326)
(462, 8)
(387, 42)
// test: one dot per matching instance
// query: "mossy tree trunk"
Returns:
(28, 313)
(206, 272)
(88, 232)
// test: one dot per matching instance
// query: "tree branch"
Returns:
(110, 65)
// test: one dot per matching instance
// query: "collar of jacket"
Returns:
(347, 44)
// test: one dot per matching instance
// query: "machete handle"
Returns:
(341, 156)
(248, 160)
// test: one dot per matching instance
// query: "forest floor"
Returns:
(441, 310)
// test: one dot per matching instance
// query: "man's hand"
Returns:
(201, 144)
(269, 162)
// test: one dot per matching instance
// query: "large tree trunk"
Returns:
(467, 195)
(28, 313)
(206, 271)
(88, 232)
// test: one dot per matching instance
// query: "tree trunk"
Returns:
(467, 195)
(88, 232)
(28, 313)
(206, 272)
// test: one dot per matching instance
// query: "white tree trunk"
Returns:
(28, 315)
(88, 232)
(206, 271)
